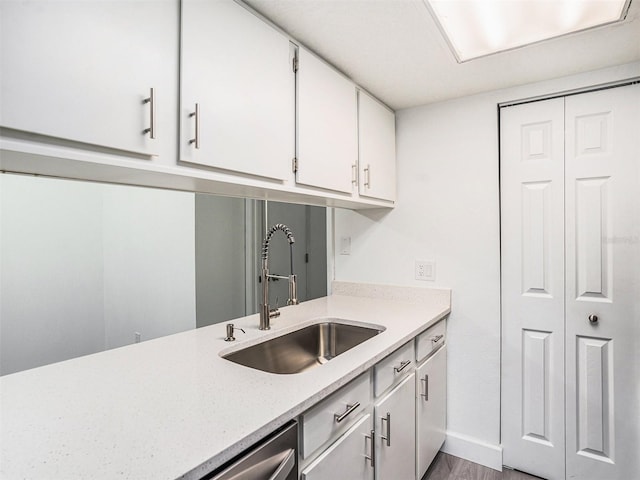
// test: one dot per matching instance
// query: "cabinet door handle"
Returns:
(387, 437)
(354, 174)
(367, 176)
(151, 100)
(425, 380)
(196, 114)
(350, 409)
(372, 458)
(402, 366)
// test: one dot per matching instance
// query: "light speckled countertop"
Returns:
(172, 408)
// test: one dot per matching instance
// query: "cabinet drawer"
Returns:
(430, 340)
(334, 414)
(392, 368)
(348, 455)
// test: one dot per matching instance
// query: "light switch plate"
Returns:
(425, 270)
(345, 245)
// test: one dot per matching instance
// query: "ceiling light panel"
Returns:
(475, 28)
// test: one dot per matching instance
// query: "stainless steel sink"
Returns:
(303, 349)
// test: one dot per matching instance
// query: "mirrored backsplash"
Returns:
(86, 267)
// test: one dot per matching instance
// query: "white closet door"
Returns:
(532, 173)
(603, 279)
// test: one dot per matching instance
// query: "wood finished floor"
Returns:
(448, 467)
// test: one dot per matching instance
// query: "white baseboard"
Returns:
(473, 450)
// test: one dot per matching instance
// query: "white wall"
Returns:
(149, 263)
(85, 265)
(52, 272)
(448, 211)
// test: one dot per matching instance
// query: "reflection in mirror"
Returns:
(86, 267)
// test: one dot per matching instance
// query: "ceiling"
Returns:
(394, 49)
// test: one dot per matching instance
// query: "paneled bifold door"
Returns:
(570, 201)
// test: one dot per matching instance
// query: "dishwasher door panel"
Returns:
(276, 458)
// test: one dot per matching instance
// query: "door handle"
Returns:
(593, 319)
(425, 380)
(387, 437)
(372, 458)
(151, 100)
(196, 114)
(285, 467)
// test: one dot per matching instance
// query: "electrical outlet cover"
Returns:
(425, 270)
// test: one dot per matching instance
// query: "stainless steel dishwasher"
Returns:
(275, 458)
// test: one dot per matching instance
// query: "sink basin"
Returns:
(303, 349)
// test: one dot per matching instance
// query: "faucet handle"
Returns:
(293, 290)
(274, 312)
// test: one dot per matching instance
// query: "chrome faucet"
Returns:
(266, 312)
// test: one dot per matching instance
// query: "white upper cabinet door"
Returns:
(81, 71)
(237, 91)
(327, 126)
(377, 145)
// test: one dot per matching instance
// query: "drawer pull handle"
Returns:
(402, 366)
(350, 409)
(372, 458)
(388, 436)
(425, 380)
(437, 338)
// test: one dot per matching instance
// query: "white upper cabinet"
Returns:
(237, 98)
(327, 126)
(83, 71)
(377, 148)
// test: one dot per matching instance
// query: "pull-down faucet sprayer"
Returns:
(266, 312)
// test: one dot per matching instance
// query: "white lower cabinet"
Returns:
(349, 457)
(387, 424)
(395, 432)
(431, 409)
